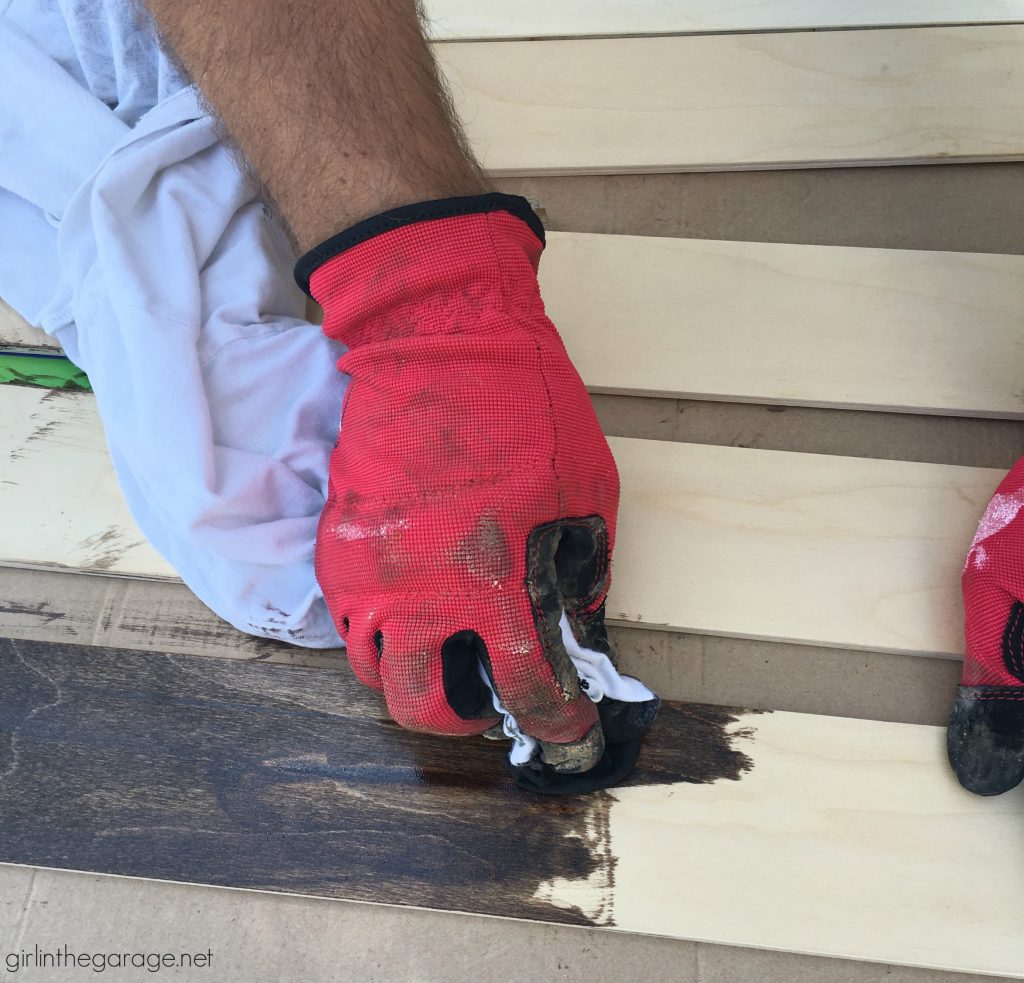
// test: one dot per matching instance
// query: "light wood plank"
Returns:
(60, 504)
(16, 332)
(927, 331)
(795, 547)
(131, 612)
(846, 838)
(807, 548)
(741, 101)
(879, 329)
(779, 831)
(468, 19)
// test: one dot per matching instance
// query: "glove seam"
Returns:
(1013, 657)
(501, 479)
(517, 325)
(418, 594)
(1009, 693)
(539, 353)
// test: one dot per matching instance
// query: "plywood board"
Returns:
(16, 332)
(741, 101)
(130, 612)
(883, 329)
(795, 547)
(926, 331)
(780, 831)
(60, 504)
(468, 19)
(809, 548)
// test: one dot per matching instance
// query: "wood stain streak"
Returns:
(42, 431)
(105, 548)
(41, 611)
(693, 743)
(283, 778)
(184, 631)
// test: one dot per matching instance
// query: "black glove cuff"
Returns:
(424, 211)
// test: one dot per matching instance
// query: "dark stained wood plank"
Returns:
(292, 779)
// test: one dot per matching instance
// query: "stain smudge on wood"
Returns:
(41, 611)
(286, 779)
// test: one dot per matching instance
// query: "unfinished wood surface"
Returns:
(780, 831)
(809, 548)
(16, 332)
(881, 329)
(468, 19)
(60, 504)
(927, 331)
(741, 101)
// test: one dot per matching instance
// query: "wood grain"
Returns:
(164, 616)
(824, 550)
(900, 329)
(846, 837)
(741, 101)
(16, 332)
(129, 612)
(794, 547)
(468, 19)
(60, 504)
(879, 329)
(812, 834)
(276, 778)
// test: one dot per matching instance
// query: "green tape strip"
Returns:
(45, 371)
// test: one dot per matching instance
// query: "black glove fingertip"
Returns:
(624, 725)
(985, 738)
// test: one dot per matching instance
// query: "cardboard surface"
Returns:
(959, 207)
(15, 885)
(261, 936)
(816, 430)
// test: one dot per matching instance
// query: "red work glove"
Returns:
(472, 494)
(986, 730)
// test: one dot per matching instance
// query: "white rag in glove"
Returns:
(598, 677)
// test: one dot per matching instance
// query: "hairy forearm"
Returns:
(336, 106)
